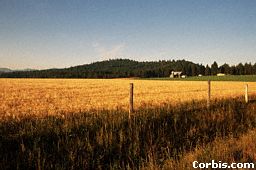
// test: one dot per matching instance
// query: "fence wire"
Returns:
(123, 95)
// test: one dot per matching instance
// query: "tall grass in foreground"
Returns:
(108, 140)
(228, 150)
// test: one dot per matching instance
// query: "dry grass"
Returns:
(154, 138)
(230, 150)
(60, 96)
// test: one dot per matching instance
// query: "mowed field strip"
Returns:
(60, 96)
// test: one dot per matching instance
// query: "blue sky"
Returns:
(62, 33)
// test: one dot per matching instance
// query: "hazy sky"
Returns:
(62, 33)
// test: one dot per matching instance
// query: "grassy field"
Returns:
(242, 78)
(40, 97)
(83, 124)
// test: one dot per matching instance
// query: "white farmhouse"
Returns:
(176, 74)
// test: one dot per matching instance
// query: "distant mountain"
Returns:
(5, 70)
(27, 69)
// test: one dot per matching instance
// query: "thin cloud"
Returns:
(109, 53)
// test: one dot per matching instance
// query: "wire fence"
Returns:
(62, 101)
(116, 95)
(124, 95)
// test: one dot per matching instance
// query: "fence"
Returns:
(126, 97)
(131, 104)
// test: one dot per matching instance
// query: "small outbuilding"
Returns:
(221, 74)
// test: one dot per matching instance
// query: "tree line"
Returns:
(122, 68)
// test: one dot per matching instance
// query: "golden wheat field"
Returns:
(41, 97)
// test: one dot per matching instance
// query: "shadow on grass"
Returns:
(109, 140)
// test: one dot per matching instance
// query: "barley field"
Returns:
(41, 97)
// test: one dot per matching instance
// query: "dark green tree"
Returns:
(248, 69)
(207, 70)
(240, 69)
(193, 70)
(214, 68)
(225, 68)
(254, 68)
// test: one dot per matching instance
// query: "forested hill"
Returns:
(116, 68)
(121, 68)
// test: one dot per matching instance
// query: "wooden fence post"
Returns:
(131, 100)
(246, 93)
(209, 94)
